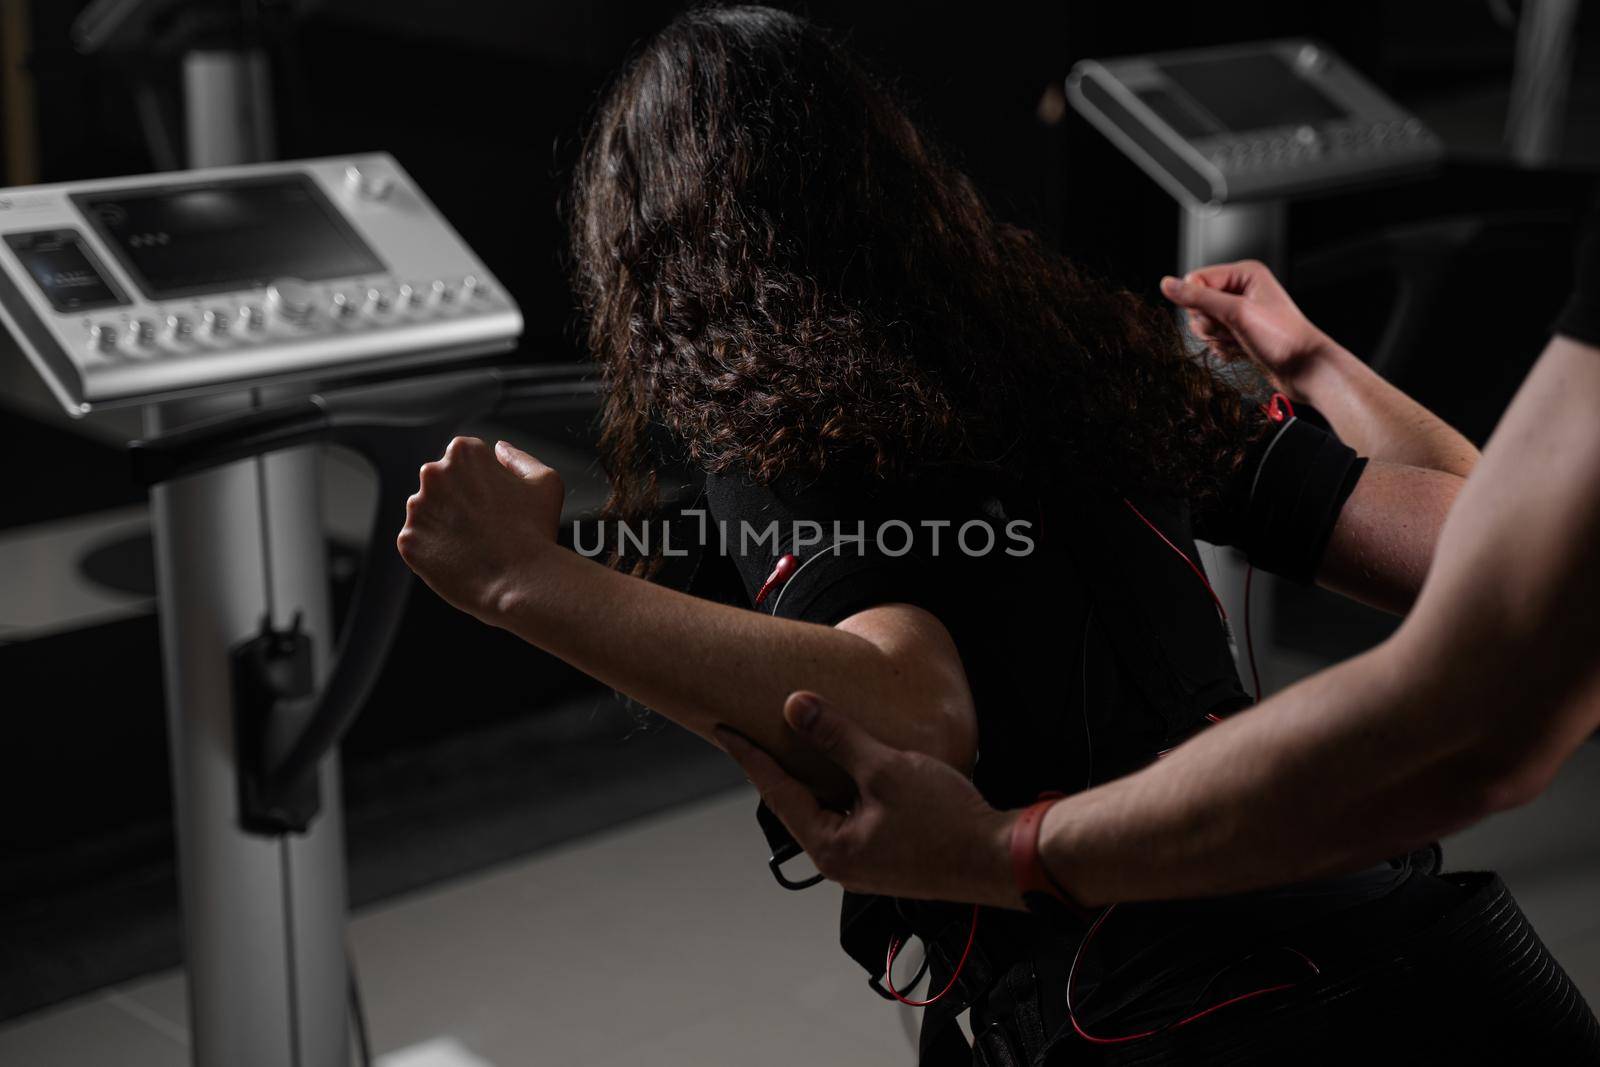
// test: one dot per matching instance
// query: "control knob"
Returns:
(343, 306)
(141, 333)
(218, 322)
(180, 329)
(103, 336)
(291, 301)
(380, 300)
(366, 185)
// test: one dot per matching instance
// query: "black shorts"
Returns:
(1471, 983)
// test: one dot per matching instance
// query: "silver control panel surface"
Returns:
(1250, 122)
(134, 290)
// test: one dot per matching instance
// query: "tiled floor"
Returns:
(611, 951)
(666, 943)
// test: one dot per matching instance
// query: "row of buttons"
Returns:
(1307, 144)
(293, 304)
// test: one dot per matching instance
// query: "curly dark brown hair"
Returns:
(779, 269)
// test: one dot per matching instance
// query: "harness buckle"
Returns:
(782, 854)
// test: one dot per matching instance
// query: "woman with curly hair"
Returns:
(961, 479)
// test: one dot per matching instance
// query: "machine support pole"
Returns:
(1255, 230)
(263, 916)
(228, 107)
(1541, 80)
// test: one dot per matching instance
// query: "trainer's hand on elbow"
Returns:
(917, 828)
(1241, 311)
(479, 524)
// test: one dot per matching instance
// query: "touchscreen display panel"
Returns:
(188, 240)
(65, 270)
(1250, 92)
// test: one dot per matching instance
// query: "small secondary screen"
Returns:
(65, 270)
(188, 240)
(1238, 94)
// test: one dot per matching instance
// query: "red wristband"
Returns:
(1027, 869)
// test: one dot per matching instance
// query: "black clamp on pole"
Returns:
(285, 725)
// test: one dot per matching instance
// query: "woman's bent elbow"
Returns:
(941, 722)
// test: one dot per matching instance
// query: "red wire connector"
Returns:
(785, 569)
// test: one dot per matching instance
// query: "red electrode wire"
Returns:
(1120, 1039)
(894, 950)
(782, 572)
(1198, 573)
(1278, 409)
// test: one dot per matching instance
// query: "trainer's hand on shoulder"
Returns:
(479, 524)
(1241, 311)
(917, 828)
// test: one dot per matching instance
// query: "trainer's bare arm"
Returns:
(1489, 685)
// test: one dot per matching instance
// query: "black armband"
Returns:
(1294, 486)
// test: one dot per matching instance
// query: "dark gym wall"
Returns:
(485, 101)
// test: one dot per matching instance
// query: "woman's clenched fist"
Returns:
(479, 525)
(1242, 312)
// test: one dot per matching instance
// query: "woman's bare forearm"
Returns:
(701, 663)
(1243, 311)
(1383, 542)
(1376, 418)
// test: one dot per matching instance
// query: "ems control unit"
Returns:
(1251, 121)
(129, 290)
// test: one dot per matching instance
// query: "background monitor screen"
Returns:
(1242, 93)
(188, 240)
(65, 270)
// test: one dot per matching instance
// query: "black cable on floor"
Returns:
(358, 1017)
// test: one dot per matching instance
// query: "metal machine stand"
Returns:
(227, 102)
(238, 542)
(263, 916)
(259, 687)
(1224, 232)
